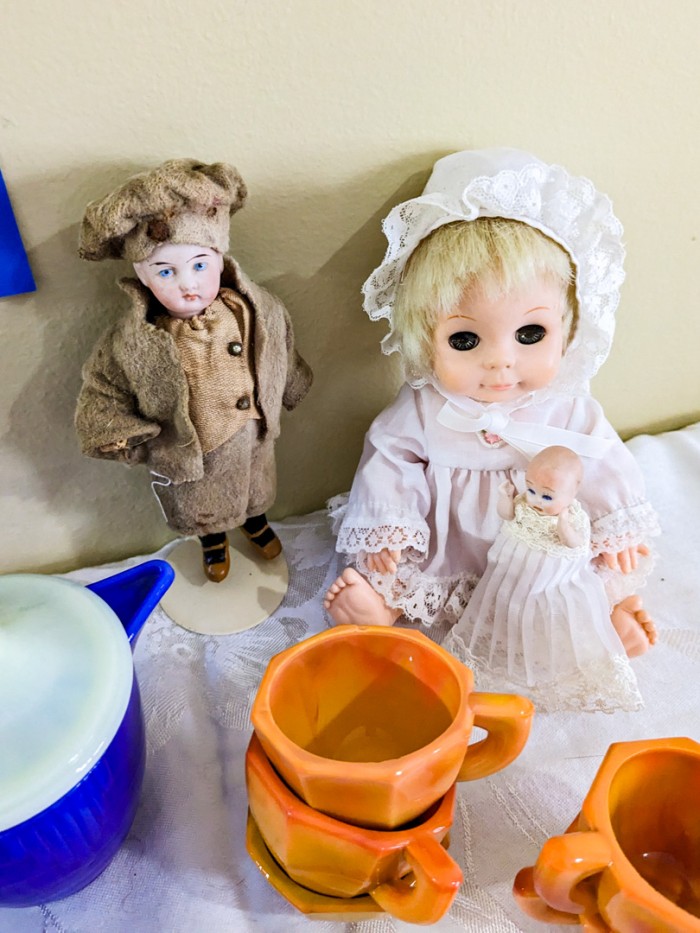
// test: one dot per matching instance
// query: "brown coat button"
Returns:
(235, 348)
(243, 403)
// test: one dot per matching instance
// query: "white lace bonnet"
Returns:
(513, 184)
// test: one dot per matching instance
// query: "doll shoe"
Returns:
(262, 537)
(215, 557)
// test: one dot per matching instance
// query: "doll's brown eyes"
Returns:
(463, 340)
(532, 333)
(466, 340)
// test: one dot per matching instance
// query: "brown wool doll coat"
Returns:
(134, 386)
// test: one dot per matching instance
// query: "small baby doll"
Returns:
(192, 378)
(500, 284)
(539, 619)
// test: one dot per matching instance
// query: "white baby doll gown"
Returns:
(538, 621)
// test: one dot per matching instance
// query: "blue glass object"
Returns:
(15, 274)
(67, 845)
(133, 594)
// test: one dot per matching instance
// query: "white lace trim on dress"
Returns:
(395, 530)
(371, 539)
(605, 686)
(422, 599)
(623, 528)
(540, 531)
(618, 585)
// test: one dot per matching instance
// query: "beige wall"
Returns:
(332, 111)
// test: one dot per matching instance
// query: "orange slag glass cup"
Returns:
(371, 725)
(631, 859)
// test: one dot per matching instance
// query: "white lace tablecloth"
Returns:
(184, 867)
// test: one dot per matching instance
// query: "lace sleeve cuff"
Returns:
(623, 528)
(394, 530)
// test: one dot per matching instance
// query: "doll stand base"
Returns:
(251, 592)
(314, 905)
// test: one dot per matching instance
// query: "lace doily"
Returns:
(513, 184)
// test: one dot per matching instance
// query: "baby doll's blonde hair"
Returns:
(497, 253)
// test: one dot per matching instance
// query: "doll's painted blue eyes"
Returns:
(544, 496)
(463, 340)
(169, 273)
(532, 333)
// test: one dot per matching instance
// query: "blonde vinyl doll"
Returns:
(500, 284)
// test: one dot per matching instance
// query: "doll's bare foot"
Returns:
(352, 601)
(634, 625)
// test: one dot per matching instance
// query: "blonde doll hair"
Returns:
(497, 253)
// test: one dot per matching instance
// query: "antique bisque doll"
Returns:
(500, 285)
(539, 618)
(191, 380)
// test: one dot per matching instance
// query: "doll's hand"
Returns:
(626, 559)
(563, 523)
(132, 447)
(505, 506)
(130, 452)
(113, 448)
(507, 489)
(385, 561)
(568, 535)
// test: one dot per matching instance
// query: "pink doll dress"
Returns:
(432, 491)
(538, 621)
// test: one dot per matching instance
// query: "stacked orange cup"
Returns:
(360, 735)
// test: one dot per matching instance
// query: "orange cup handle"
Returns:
(529, 901)
(428, 896)
(564, 862)
(507, 719)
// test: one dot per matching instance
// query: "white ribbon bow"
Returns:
(529, 439)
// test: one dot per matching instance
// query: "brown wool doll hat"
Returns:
(181, 201)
